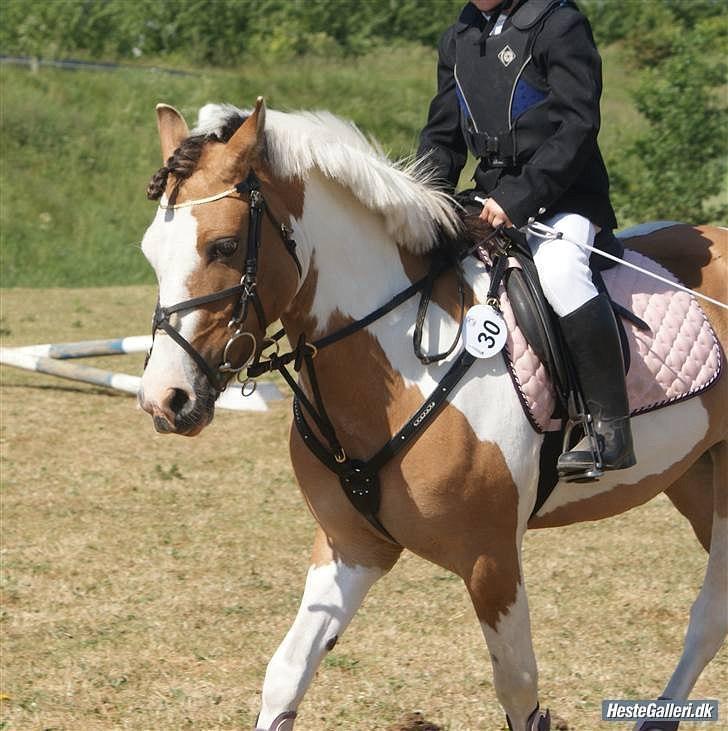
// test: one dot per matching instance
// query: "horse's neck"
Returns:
(353, 265)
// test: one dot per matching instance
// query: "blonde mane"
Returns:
(416, 214)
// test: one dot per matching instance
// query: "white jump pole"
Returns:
(49, 358)
(90, 348)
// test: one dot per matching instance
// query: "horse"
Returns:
(267, 216)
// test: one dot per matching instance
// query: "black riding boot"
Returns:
(593, 341)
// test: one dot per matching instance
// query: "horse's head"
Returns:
(225, 264)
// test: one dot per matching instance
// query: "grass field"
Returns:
(78, 147)
(146, 579)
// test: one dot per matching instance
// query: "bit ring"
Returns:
(226, 366)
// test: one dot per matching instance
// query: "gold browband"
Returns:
(198, 201)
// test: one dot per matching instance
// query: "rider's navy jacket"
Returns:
(551, 162)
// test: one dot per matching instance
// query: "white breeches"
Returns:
(563, 266)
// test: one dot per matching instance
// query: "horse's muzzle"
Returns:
(178, 411)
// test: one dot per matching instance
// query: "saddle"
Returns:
(670, 350)
(540, 325)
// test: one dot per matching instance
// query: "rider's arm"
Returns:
(565, 53)
(442, 137)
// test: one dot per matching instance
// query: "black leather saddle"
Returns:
(539, 323)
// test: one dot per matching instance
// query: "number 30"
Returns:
(490, 327)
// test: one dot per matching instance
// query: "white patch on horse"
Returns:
(366, 251)
(515, 674)
(413, 211)
(486, 396)
(332, 596)
(653, 434)
(170, 245)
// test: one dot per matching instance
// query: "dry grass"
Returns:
(148, 579)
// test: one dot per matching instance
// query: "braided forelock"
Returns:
(184, 160)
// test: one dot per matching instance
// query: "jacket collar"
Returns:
(470, 17)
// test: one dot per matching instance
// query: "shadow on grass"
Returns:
(414, 722)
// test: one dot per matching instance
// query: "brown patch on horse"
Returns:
(719, 455)
(435, 507)
(692, 495)
(683, 249)
(285, 197)
(324, 552)
(445, 292)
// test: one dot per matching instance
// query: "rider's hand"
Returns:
(493, 214)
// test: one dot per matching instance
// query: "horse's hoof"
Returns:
(283, 722)
(657, 726)
(539, 721)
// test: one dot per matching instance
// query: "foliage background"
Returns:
(78, 147)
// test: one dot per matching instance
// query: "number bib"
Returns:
(485, 331)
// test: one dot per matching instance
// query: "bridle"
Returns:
(246, 291)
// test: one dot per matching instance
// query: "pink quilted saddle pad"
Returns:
(676, 359)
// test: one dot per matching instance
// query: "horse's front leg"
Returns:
(336, 585)
(499, 597)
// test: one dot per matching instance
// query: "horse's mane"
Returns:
(417, 214)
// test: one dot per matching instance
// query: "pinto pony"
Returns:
(462, 494)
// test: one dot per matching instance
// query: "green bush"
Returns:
(217, 32)
(677, 166)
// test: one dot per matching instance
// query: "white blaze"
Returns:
(170, 245)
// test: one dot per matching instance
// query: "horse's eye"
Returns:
(222, 248)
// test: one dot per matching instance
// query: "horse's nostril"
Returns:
(179, 400)
(161, 424)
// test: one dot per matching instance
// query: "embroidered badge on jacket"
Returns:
(507, 56)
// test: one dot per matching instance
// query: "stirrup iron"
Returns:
(580, 417)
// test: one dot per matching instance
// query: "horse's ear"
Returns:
(172, 129)
(249, 137)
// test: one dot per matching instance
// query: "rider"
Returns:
(519, 83)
